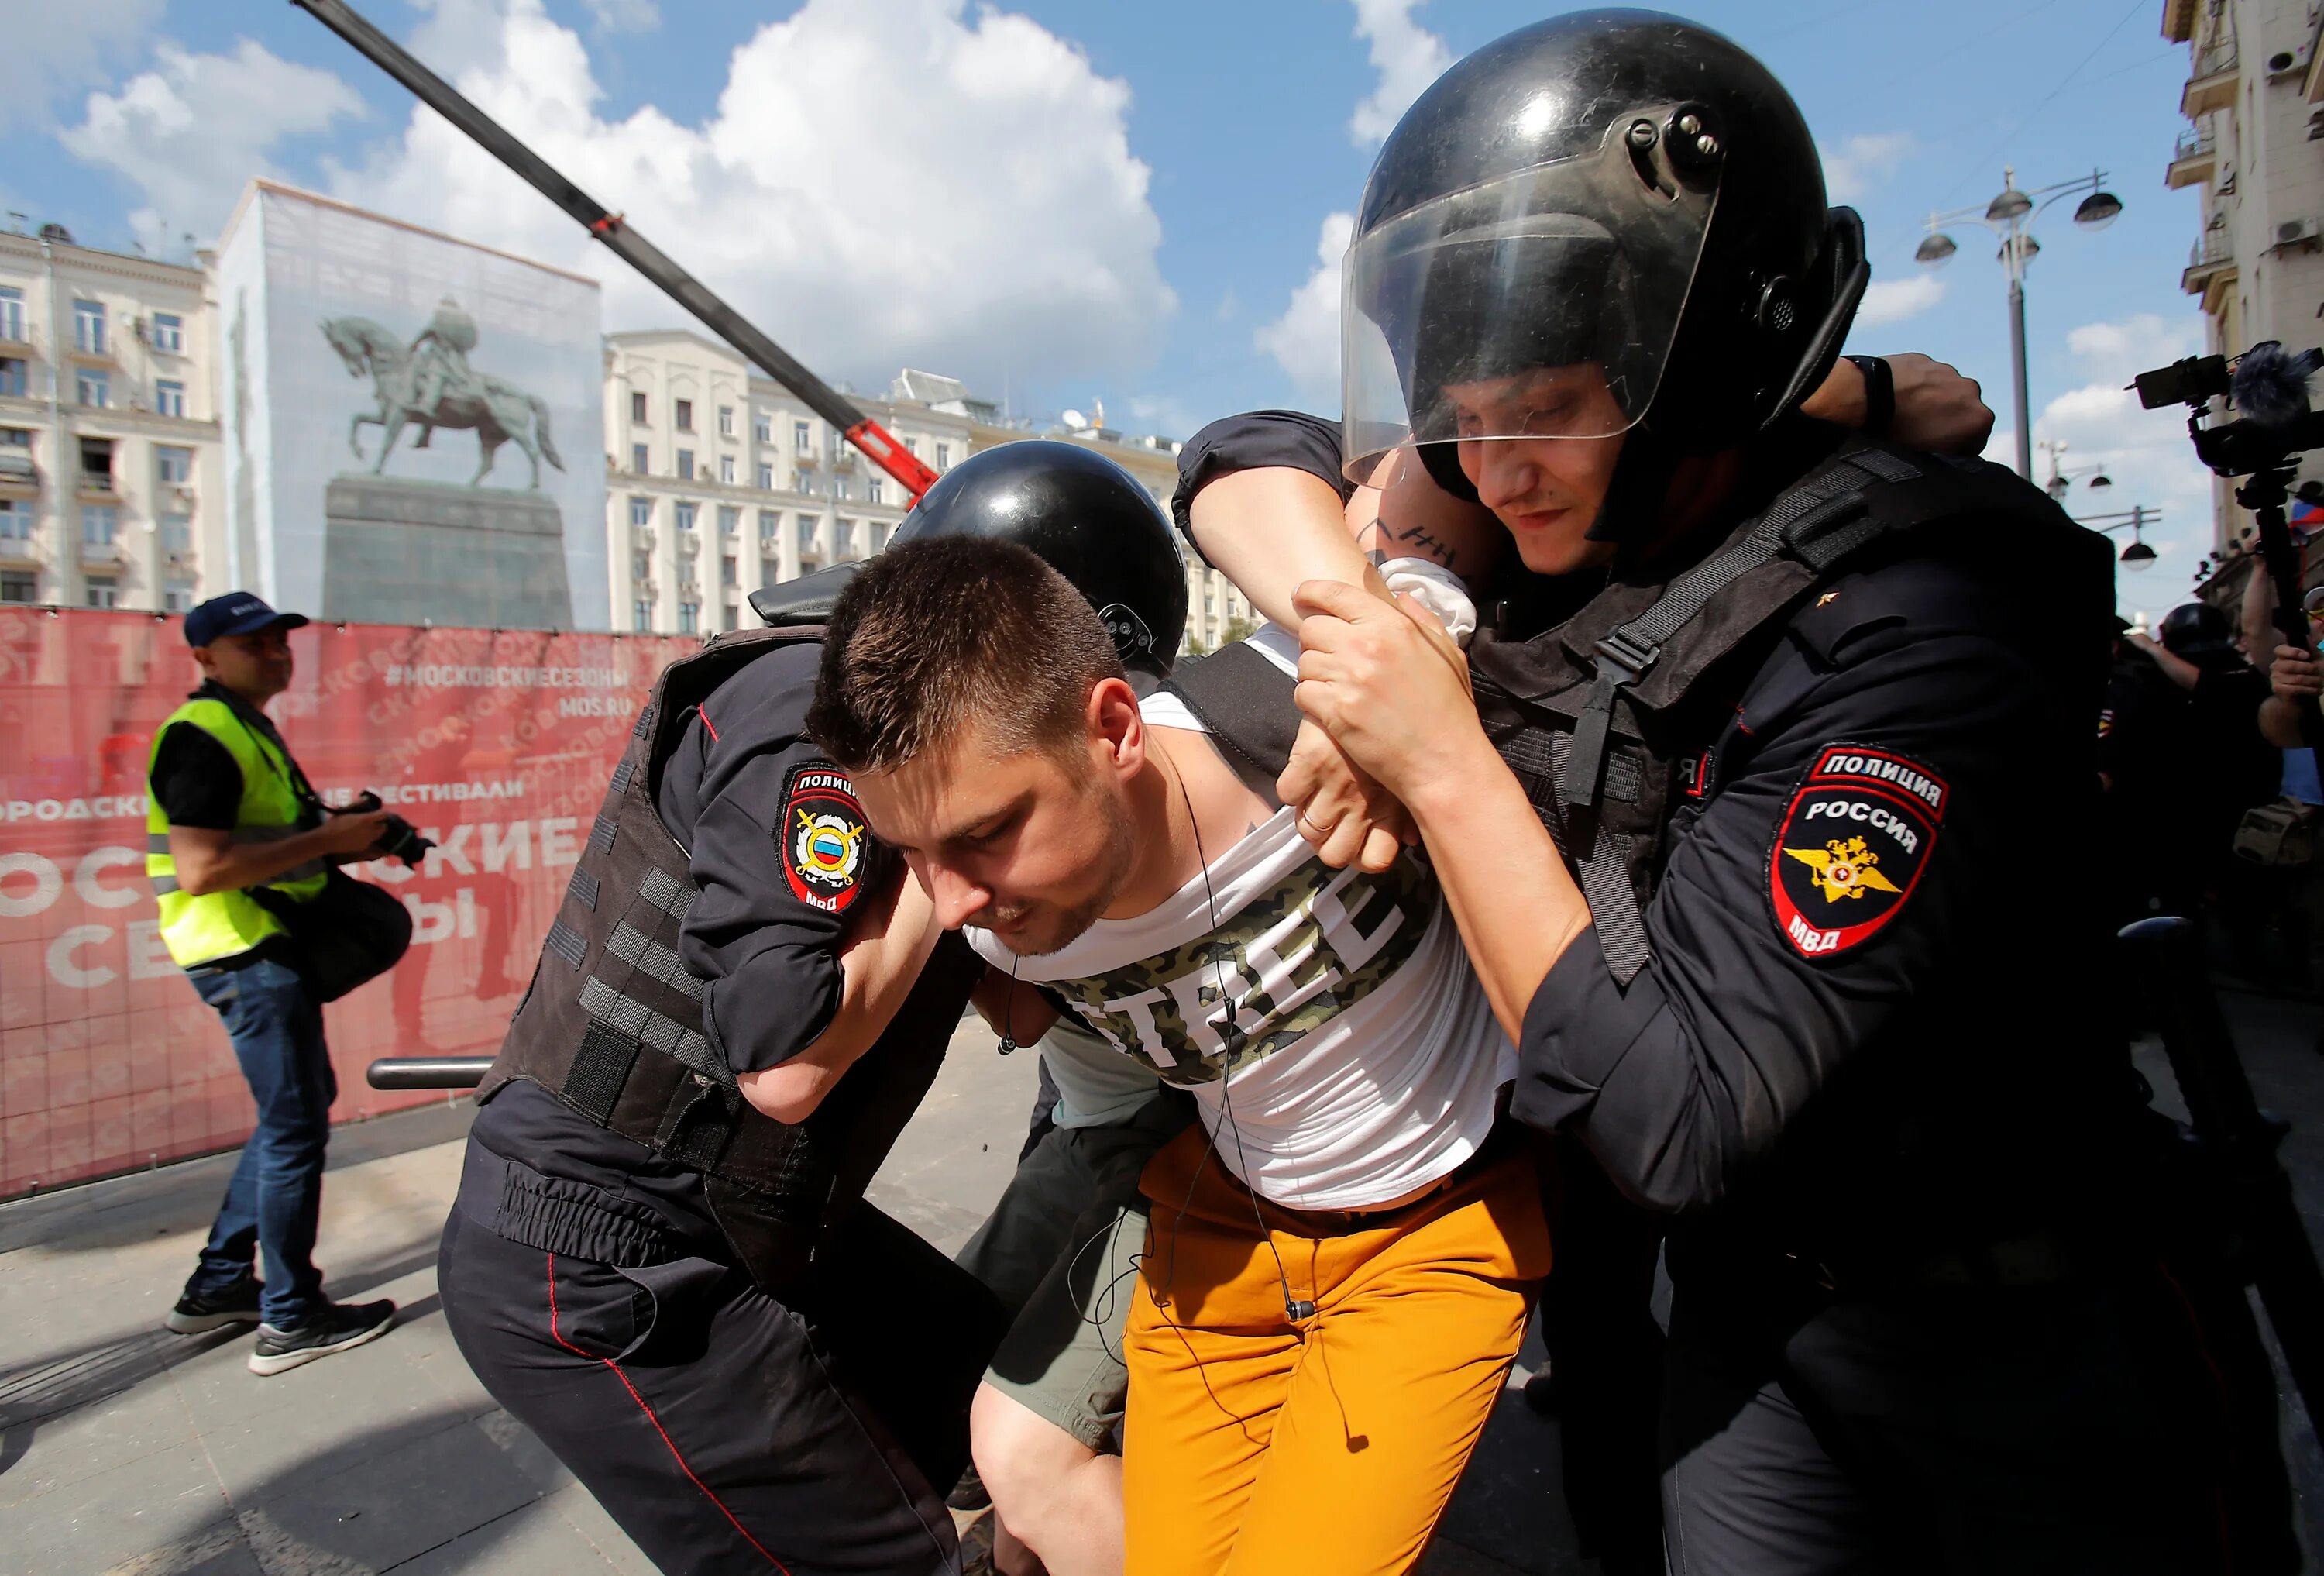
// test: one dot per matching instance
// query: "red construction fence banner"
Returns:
(496, 743)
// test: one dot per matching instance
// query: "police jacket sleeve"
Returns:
(1254, 441)
(763, 938)
(1856, 841)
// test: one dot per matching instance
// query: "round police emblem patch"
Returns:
(824, 838)
(1851, 846)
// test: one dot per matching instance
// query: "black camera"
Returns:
(398, 838)
(2267, 384)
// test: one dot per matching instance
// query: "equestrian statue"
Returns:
(429, 384)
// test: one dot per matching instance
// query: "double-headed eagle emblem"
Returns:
(1844, 869)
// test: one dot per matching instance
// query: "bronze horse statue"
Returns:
(497, 411)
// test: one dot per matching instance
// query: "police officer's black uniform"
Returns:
(1824, 773)
(690, 1302)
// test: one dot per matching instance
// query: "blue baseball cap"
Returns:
(238, 612)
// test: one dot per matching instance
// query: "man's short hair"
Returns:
(935, 637)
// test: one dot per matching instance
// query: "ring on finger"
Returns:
(1312, 826)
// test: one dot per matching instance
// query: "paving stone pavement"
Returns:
(125, 1450)
(128, 1451)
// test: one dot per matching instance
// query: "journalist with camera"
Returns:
(243, 855)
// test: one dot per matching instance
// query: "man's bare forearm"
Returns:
(1268, 528)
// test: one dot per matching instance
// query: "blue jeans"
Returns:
(277, 1191)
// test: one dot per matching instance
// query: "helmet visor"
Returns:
(1542, 304)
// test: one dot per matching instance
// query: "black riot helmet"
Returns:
(2194, 629)
(1620, 212)
(1081, 513)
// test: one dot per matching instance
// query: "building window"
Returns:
(93, 388)
(802, 437)
(641, 617)
(684, 420)
(638, 406)
(762, 427)
(875, 490)
(19, 585)
(97, 464)
(641, 566)
(179, 597)
(686, 512)
(173, 466)
(725, 420)
(805, 534)
(12, 314)
(685, 464)
(104, 590)
(730, 520)
(843, 539)
(839, 487)
(15, 520)
(912, 447)
(726, 571)
(639, 463)
(12, 376)
(689, 617)
(768, 521)
(641, 513)
(726, 470)
(169, 397)
(99, 524)
(765, 478)
(169, 333)
(177, 533)
(943, 456)
(89, 327)
(879, 536)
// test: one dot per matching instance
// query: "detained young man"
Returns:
(1342, 1254)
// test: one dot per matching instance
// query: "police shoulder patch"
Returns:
(824, 842)
(1852, 845)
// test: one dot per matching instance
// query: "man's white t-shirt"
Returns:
(1365, 1061)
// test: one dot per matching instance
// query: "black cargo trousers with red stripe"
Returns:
(725, 1431)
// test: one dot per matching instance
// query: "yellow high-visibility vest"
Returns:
(223, 925)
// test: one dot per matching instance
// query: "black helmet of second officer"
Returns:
(1608, 223)
(1082, 514)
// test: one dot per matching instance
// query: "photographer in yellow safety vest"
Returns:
(234, 833)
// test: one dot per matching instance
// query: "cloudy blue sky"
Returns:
(1067, 203)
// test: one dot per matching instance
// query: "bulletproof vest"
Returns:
(1608, 719)
(611, 1025)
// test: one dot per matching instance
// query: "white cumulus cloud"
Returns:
(1407, 57)
(1893, 301)
(1857, 164)
(190, 131)
(1305, 340)
(53, 49)
(879, 182)
(626, 15)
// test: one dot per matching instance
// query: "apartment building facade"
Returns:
(111, 469)
(721, 480)
(2254, 147)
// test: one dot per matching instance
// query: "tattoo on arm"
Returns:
(1410, 541)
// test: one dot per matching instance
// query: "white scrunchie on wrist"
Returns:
(1437, 589)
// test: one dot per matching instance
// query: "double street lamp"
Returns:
(2010, 216)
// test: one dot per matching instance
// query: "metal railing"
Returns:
(2194, 144)
(2212, 250)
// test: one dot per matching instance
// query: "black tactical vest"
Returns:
(611, 1024)
(1608, 718)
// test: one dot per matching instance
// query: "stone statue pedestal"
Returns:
(407, 552)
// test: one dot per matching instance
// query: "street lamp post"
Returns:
(2010, 216)
(2136, 553)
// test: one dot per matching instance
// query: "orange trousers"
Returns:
(1253, 1447)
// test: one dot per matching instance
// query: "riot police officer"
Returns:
(1743, 830)
(660, 1259)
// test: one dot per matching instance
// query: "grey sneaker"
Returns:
(199, 1311)
(333, 1327)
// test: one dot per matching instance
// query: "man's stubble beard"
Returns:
(1119, 855)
